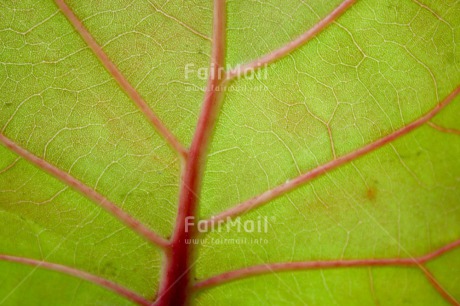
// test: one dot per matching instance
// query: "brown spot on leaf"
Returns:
(371, 193)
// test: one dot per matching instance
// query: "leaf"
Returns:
(342, 146)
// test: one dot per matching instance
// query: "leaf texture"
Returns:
(345, 142)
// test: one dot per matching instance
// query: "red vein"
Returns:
(175, 284)
(80, 274)
(87, 191)
(443, 129)
(308, 176)
(294, 44)
(439, 252)
(443, 292)
(311, 265)
(122, 81)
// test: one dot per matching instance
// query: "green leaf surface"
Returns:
(380, 68)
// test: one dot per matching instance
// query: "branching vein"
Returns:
(87, 191)
(80, 274)
(325, 168)
(121, 80)
(292, 45)
(327, 264)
